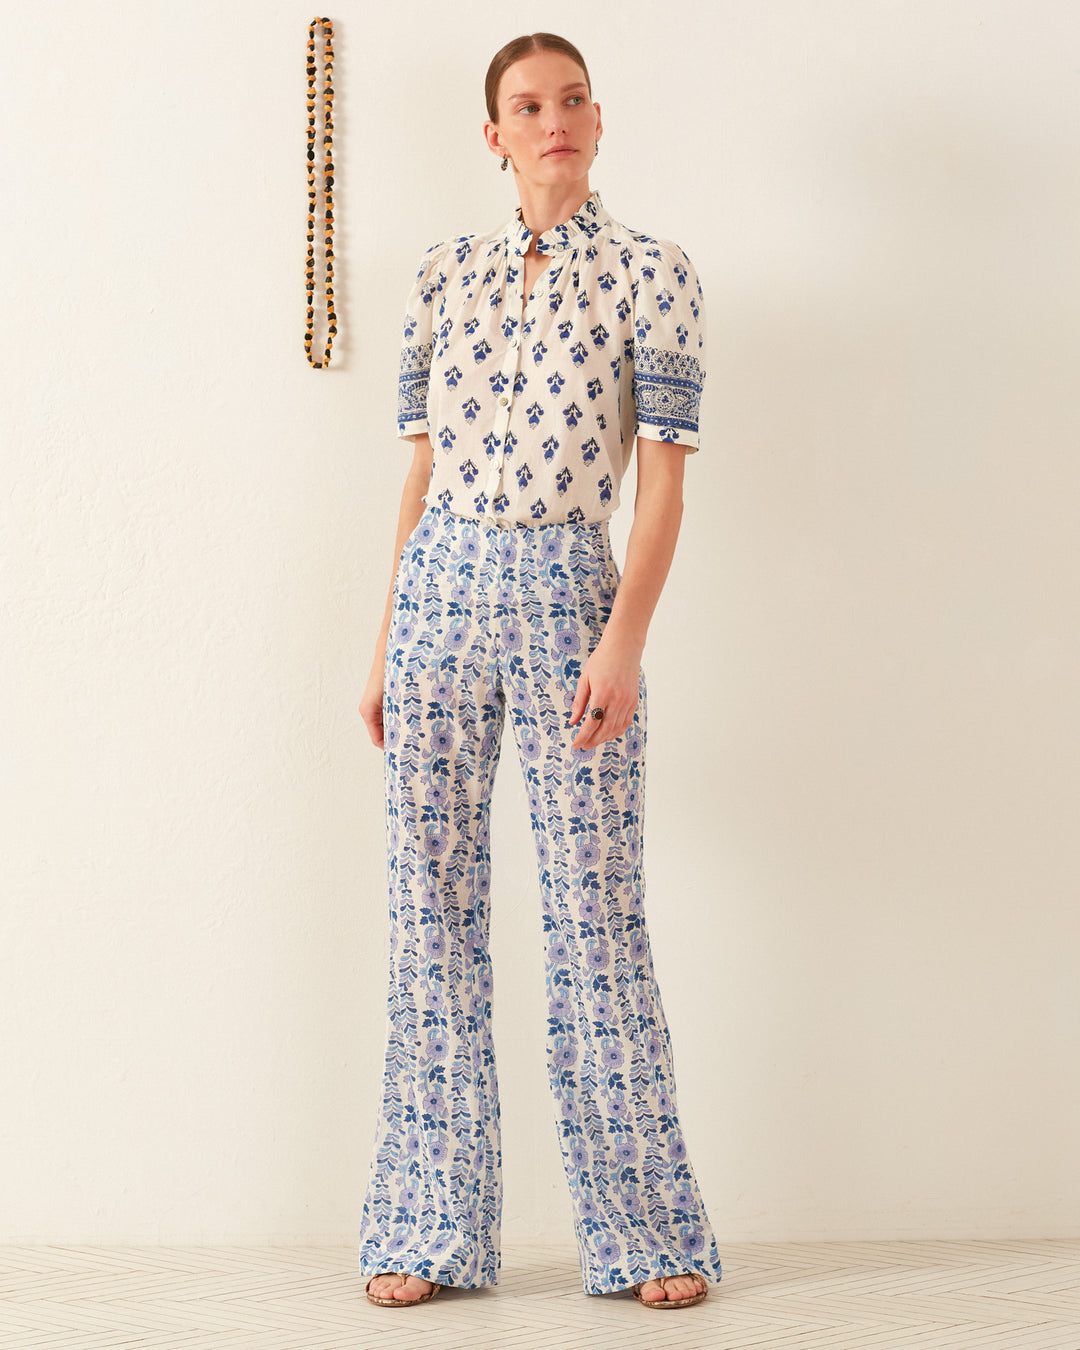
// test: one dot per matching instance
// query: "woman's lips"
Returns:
(562, 150)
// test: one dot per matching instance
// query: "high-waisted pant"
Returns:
(487, 622)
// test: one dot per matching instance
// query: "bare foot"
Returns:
(675, 1287)
(392, 1286)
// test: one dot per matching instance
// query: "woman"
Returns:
(533, 355)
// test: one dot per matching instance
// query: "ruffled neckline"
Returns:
(587, 220)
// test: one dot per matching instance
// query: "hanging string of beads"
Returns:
(328, 185)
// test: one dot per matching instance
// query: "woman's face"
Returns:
(547, 124)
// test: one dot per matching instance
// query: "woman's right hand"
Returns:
(371, 705)
(412, 508)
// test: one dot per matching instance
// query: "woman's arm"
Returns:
(412, 508)
(609, 679)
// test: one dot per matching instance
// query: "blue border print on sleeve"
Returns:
(413, 384)
(667, 390)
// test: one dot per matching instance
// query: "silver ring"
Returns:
(598, 713)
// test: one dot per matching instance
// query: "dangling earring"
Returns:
(506, 161)
(597, 150)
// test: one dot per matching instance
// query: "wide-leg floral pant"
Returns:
(488, 621)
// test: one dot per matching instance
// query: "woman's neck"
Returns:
(543, 207)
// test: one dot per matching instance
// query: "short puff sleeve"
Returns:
(418, 345)
(669, 346)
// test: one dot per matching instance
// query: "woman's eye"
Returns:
(577, 98)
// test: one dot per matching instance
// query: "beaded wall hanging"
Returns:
(328, 187)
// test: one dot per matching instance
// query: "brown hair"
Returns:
(514, 51)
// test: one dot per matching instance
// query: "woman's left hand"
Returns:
(608, 680)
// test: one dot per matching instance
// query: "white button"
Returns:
(504, 400)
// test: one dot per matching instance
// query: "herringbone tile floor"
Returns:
(947, 1295)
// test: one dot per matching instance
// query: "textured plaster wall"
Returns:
(862, 793)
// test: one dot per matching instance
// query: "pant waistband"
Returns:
(593, 529)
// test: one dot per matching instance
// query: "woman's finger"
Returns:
(616, 720)
(589, 732)
(581, 699)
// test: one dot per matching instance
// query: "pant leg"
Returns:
(434, 1197)
(638, 1212)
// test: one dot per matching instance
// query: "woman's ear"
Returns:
(491, 135)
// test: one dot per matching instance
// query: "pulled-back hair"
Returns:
(514, 51)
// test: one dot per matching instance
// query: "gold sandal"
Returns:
(673, 1302)
(393, 1302)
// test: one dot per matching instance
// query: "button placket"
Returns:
(556, 253)
(509, 370)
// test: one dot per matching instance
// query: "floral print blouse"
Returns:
(532, 407)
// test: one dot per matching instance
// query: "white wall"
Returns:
(862, 792)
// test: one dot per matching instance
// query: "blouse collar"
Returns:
(587, 220)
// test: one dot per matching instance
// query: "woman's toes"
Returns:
(674, 1287)
(682, 1286)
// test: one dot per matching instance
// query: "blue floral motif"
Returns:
(490, 625)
